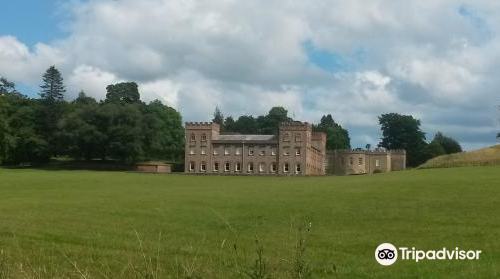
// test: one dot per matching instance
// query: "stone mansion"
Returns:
(296, 150)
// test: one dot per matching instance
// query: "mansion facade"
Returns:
(296, 150)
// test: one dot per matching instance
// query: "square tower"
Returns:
(294, 140)
(198, 144)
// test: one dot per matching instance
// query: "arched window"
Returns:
(204, 137)
(192, 137)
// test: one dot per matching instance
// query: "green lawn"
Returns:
(84, 224)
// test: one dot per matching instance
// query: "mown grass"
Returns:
(84, 224)
(489, 156)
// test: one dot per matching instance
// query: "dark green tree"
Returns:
(432, 150)
(51, 110)
(122, 126)
(123, 93)
(163, 132)
(246, 124)
(449, 145)
(403, 132)
(79, 129)
(336, 136)
(218, 117)
(229, 124)
(269, 124)
(52, 89)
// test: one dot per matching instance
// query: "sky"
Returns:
(438, 60)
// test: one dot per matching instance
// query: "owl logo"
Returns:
(386, 254)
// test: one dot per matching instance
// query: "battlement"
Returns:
(295, 126)
(202, 126)
(375, 151)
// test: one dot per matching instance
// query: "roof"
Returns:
(240, 138)
(153, 163)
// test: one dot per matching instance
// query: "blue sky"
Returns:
(356, 59)
(32, 21)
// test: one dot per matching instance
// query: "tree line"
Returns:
(404, 132)
(336, 136)
(121, 127)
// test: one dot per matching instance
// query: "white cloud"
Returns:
(246, 56)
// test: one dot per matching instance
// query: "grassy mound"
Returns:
(482, 157)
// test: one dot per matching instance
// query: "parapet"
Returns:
(295, 126)
(202, 126)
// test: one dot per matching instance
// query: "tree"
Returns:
(403, 132)
(52, 87)
(432, 150)
(79, 131)
(163, 132)
(449, 145)
(218, 117)
(336, 136)
(269, 124)
(51, 110)
(123, 93)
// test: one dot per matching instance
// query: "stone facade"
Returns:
(296, 150)
(153, 167)
(345, 162)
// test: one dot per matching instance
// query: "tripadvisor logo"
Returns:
(387, 254)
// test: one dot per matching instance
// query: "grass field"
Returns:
(84, 224)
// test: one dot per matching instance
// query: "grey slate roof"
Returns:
(246, 138)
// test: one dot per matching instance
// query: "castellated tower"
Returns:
(198, 138)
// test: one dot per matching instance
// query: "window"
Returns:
(286, 168)
(203, 151)
(298, 137)
(377, 163)
(238, 151)
(286, 151)
(262, 166)
(297, 168)
(191, 151)
(216, 166)
(250, 151)
(192, 137)
(226, 167)
(297, 151)
(191, 166)
(273, 151)
(203, 167)
(215, 151)
(262, 151)
(250, 167)
(204, 137)
(226, 151)
(286, 137)
(237, 167)
(273, 167)
(360, 161)
(351, 161)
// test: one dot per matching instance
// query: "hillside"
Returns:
(481, 157)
